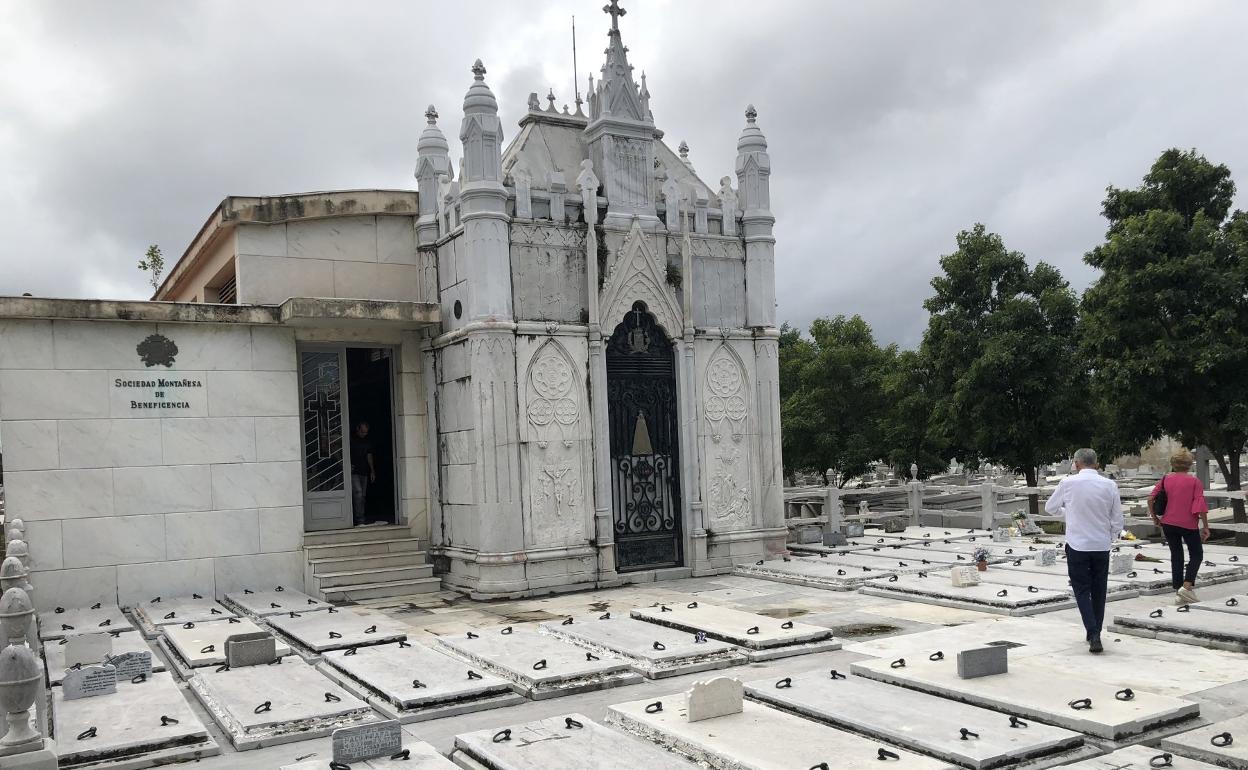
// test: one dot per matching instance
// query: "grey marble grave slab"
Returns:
(917, 721)
(128, 729)
(267, 705)
(837, 573)
(758, 738)
(319, 631)
(153, 614)
(421, 756)
(652, 650)
(852, 561)
(540, 666)
(1220, 630)
(1058, 583)
(261, 603)
(985, 597)
(764, 638)
(1140, 758)
(387, 675)
(1199, 744)
(928, 533)
(1219, 558)
(1232, 605)
(999, 551)
(904, 558)
(1034, 689)
(82, 620)
(561, 743)
(203, 644)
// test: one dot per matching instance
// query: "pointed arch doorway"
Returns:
(644, 438)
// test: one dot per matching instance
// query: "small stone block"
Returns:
(1046, 557)
(89, 681)
(964, 576)
(88, 648)
(132, 664)
(251, 649)
(983, 661)
(894, 524)
(809, 535)
(356, 744)
(715, 698)
(1121, 562)
(1001, 535)
(855, 530)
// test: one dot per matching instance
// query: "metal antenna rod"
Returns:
(576, 88)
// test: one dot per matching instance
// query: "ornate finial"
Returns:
(616, 12)
(750, 113)
(550, 101)
(684, 150)
(431, 115)
(478, 70)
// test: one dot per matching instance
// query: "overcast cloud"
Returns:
(892, 124)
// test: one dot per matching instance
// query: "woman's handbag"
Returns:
(1159, 500)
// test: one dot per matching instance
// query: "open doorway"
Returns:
(370, 402)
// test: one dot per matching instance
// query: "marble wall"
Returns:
(121, 494)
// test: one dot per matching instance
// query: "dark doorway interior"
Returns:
(370, 399)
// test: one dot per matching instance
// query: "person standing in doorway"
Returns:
(1093, 510)
(1184, 519)
(363, 471)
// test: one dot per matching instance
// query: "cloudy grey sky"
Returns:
(893, 124)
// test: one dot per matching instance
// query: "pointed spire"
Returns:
(752, 139)
(617, 96)
(479, 99)
(645, 97)
(432, 141)
(550, 101)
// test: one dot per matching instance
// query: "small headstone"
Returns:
(1046, 557)
(894, 524)
(809, 535)
(1121, 562)
(1001, 535)
(257, 648)
(717, 697)
(1028, 527)
(377, 739)
(983, 661)
(834, 538)
(964, 576)
(89, 681)
(855, 529)
(88, 648)
(132, 664)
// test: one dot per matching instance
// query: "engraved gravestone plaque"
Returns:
(356, 744)
(132, 664)
(89, 681)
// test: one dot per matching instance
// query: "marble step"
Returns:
(362, 548)
(383, 590)
(356, 534)
(324, 565)
(325, 581)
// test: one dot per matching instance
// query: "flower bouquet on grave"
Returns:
(981, 558)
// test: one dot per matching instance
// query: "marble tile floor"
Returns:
(868, 626)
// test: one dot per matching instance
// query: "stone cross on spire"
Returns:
(616, 12)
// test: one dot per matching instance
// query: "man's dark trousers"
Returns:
(1089, 579)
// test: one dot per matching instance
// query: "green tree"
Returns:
(1166, 323)
(832, 398)
(153, 263)
(1002, 337)
(909, 430)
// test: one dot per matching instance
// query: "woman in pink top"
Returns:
(1184, 521)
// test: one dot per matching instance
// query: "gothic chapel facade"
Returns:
(605, 380)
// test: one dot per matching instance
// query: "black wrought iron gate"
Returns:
(645, 467)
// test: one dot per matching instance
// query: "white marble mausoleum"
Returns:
(565, 348)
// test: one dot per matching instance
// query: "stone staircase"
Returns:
(342, 565)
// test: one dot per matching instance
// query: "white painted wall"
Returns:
(120, 502)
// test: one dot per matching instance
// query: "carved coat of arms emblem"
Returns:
(157, 350)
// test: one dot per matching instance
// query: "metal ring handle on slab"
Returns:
(1209, 563)
(471, 635)
(207, 649)
(837, 674)
(170, 615)
(90, 732)
(506, 631)
(351, 651)
(274, 606)
(892, 578)
(166, 721)
(540, 665)
(338, 766)
(138, 679)
(371, 630)
(404, 644)
(234, 620)
(866, 569)
(820, 766)
(248, 591)
(967, 734)
(332, 610)
(331, 698)
(1081, 704)
(501, 736)
(294, 614)
(758, 563)
(1015, 722)
(1232, 602)
(902, 564)
(335, 635)
(1132, 574)
(605, 616)
(664, 608)
(938, 655)
(572, 724)
(1184, 608)
(279, 589)
(1156, 571)
(222, 668)
(659, 646)
(1222, 739)
(884, 755)
(1232, 558)
(214, 611)
(1125, 693)
(275, 662)
(1162, 760)
(66, 627)
(590, 657)
(1009, 551)
(655, 707)
(1018, 562)
(785, 683)
(566, 622)
(752, 630)
(899, 663)
(840, 572)
(786, 625)
(474, 675)
(418, 685)
(692, 605)
(922, 574)
(404, 755)
(263, 708)
(1156, 614)
(61, 610)
(1003, 592)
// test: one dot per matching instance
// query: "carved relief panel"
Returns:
(727, 441)
(548, 273)
(555, 442)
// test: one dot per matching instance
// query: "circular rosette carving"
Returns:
(566, 411)
(734, 407)
(723, 377)
(541, 411)
(552, 377)
(716, 408)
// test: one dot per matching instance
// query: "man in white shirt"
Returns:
(1093, 510)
